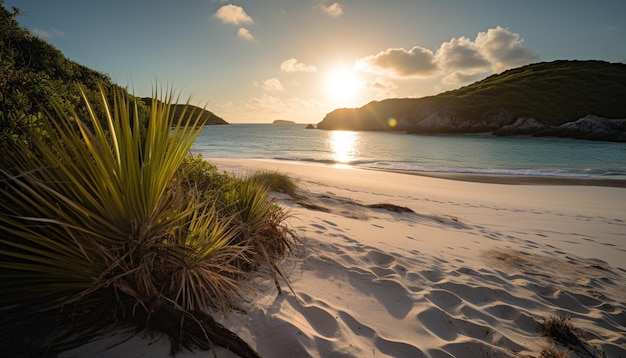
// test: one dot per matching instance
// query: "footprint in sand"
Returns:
(445, 300)
(355, 326)
(398, 349)
(380, 258)
(394, 297)
(321, 320)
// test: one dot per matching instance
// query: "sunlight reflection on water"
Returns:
(344, 145)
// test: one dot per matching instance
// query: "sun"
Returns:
(342, 85)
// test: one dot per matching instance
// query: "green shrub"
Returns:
(106, 220)
(276, 181)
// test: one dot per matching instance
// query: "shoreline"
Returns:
(465, 177)
(521, 180)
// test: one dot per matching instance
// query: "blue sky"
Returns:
(262, 60)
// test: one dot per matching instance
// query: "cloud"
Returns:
(462, 54)
(504, 49)
(269, 107)
(245, 34)
(236, 15)
(381, 84)
(292, 65)
(233, 14)
(417, 62)
(334, 10)
(460, 60)
(382, 87)
(272, 85)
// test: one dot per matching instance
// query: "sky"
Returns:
(258, 61)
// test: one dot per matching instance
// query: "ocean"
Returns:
(464, 154)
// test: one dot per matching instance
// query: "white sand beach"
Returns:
(467, 273)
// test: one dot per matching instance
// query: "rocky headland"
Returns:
(571, 99)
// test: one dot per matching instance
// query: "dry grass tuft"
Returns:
(561, 330)
(554, 353)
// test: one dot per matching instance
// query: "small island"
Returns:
(282, 121)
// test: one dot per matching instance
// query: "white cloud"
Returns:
(245, 34)
(461, 54)
(272, 85)
(233, 14)
(460, 60)
(334, 10)
(292, 65)
(417, 62)
(504, 49)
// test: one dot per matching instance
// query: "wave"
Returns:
(416, 168)
(522, 172)
(354, 163)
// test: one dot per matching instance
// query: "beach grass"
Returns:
(276, 181)
(561, 330)
(109, 220)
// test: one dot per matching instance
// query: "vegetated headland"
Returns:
(574, 99)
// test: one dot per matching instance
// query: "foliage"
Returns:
(95, 206)
(35, 78)
(199, 176)
(100, 219)
(276, 181)
(261, 236)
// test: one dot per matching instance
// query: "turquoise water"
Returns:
(472, 154)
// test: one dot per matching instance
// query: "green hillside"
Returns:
(551, 92)
(208, 117)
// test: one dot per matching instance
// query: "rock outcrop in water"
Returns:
(573, 99)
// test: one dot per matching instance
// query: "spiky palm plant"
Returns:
(261, 235)
(96, 218)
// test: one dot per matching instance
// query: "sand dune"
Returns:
(467, 272)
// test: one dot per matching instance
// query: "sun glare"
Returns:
(342, 86)
(343, 145)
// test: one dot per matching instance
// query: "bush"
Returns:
(276, 181)
(115, 222)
